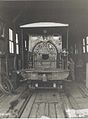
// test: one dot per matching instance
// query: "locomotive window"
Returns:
(17, 44)
(45, 56)
(11, 44)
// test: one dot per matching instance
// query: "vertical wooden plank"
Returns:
(7, 49)
(43, 96)
(53, 97)
(59, 110)
(58, 96)
(50, 96)
(22, 48)
(66, 104)
(40, 111)
(87, 75)
(52, 110)
(39, 97)
(6, 103)
(28, 108)
(73, 102)
(34, 111)
(46, 111)
(14, 112)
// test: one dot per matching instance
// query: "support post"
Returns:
(15, 56)
(67, 37)
(22, 48)
(67, 45)
(87, 75)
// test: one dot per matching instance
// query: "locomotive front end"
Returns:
(47, 60)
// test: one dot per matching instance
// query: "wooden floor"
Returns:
(72, 101)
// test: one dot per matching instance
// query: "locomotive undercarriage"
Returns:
(45, 84)
(45, 78)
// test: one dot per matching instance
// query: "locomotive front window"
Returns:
(45, 56)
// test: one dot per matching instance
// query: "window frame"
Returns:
(11, 41)
(87, 44)
(17, 44)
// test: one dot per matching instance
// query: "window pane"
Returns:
(17, 49)
(10, 34)
(25, 44)
(87, 40)
(83, 49)
(16, 38)
(10, 46)
(87, 48)
(83, 41)
(75, 48)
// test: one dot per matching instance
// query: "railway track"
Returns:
(52, 103)
(38, 103)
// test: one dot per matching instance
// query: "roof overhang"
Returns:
(44, 25)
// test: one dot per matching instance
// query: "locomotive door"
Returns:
(44, 55)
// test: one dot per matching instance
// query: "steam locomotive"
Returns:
(47, 64)
(43, 58)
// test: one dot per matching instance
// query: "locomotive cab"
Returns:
(47, 55)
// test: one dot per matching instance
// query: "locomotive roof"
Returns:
(43, 25)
